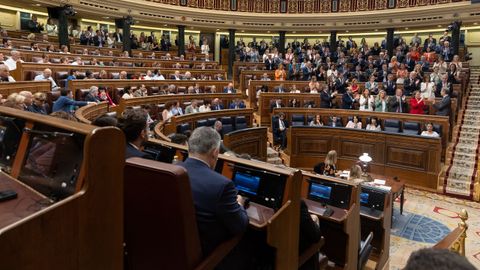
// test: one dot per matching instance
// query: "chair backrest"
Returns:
(411, 128)
(227, 124)
(160, 224)
(391, 125)
(211, 121)
(438, 129)
(298, 120)
(240, 122)
(202, 123)
(183, 128)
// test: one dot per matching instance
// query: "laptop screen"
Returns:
(246, 183)
(320, 192)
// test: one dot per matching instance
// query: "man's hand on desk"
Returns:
(315, 219)
(241, 200)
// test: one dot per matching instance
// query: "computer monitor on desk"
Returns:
(372, 197)
(260, 186)
(330, 193)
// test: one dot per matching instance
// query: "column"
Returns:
(456, 37)
(231, 52)
(63, 28)
(333, 41)
(281, 42)
(181, 40)
(390, 41)
(127, 43)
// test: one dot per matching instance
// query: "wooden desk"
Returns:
(259, 215)
(28, 201)
(392, 153)
(316, 208)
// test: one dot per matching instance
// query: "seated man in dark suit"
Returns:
(134, 126)
(229, 89)
(280, 89)
(444, 84)
(276, 104)
(219, 210)
(216, 104)
(237, 104)
(444, 106)
(280, 130)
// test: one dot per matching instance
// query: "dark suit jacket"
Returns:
(392, 105)
(347, 102)
(277, 89)
(390, 89)
(273, 106)
(225, 90)
(443, 107)
(131, 151)
(325, 100)
(410, 86)
(276, 127)
(219, 216)
(269, 65)
(217, 107)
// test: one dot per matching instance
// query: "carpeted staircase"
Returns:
(462, 166)
(273, 156)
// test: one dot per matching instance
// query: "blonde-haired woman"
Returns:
(330, 163)
(355, 174)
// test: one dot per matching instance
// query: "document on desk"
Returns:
(253, 213)
(379, 182)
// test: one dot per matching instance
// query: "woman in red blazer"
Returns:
(417, 104)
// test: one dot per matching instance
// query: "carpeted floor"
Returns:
(426, 219)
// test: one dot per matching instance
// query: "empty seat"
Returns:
(227, 124)
(202, 123)
(211, 121)
(184, 128)
(391, 125)
(411, 128)
(298, 120)
(240, 122)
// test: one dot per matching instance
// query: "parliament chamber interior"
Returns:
(239, 134)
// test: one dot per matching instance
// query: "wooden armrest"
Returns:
(222, 250)
(309, 252)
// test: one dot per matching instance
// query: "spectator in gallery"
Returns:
(354, 123)
(34, 26)
(366, 101)
(417, 103)
(38, 104)
(66, 103)
(373, 125)
(316, 122)
(381, 101)
(133, 123)
(429, 132)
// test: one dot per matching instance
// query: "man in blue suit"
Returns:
(66, 103)
(216, 104)
(219, 210)
(229, 89)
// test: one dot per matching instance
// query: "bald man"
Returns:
(11, 62)
(5, 74)
(47, 76)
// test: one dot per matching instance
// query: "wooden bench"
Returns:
(252, 141)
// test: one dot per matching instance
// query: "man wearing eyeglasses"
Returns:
(38, 104)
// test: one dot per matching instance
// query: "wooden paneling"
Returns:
(413, 158)
(82, 231)
(252, 141)
(32, 86)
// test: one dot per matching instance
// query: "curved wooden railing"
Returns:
(455, 241)
(88, 113)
